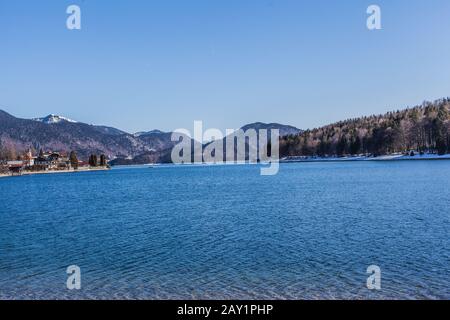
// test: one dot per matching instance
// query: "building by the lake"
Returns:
(45, 161)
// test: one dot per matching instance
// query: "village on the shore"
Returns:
(50, 161)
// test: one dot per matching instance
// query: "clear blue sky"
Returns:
(140, 65)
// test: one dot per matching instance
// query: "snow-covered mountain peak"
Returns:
(52, 119)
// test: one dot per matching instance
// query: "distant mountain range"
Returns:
(284, 129)
(424, 128)
(59, 133)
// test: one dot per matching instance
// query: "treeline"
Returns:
(94, 161)
(8, 152)
(424, 128)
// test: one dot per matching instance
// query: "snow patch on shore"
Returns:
(393, 157)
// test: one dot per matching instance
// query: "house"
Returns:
(82, 164)
(43, 161)
(15, 167)
(18, 163)
(51, 160)
(28, 159)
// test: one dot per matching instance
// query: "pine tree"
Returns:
(355, 146)
(93, 160)
(103, 160)
(73, 160)
(341, 147)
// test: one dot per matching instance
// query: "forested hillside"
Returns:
(424, 128)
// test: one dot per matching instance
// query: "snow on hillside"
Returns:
(52, 119)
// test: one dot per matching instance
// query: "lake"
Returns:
(222, 232)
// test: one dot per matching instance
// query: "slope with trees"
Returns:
(424, 128)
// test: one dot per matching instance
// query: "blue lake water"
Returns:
(219, 232)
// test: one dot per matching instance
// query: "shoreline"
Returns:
(426, 157)
(29, 173)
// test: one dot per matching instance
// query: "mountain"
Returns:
(62, 134)
(159, 149)
(152, 132)
(284, 129)
(58, 133)
(109, 130)
(424, 128)
(52, 119)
